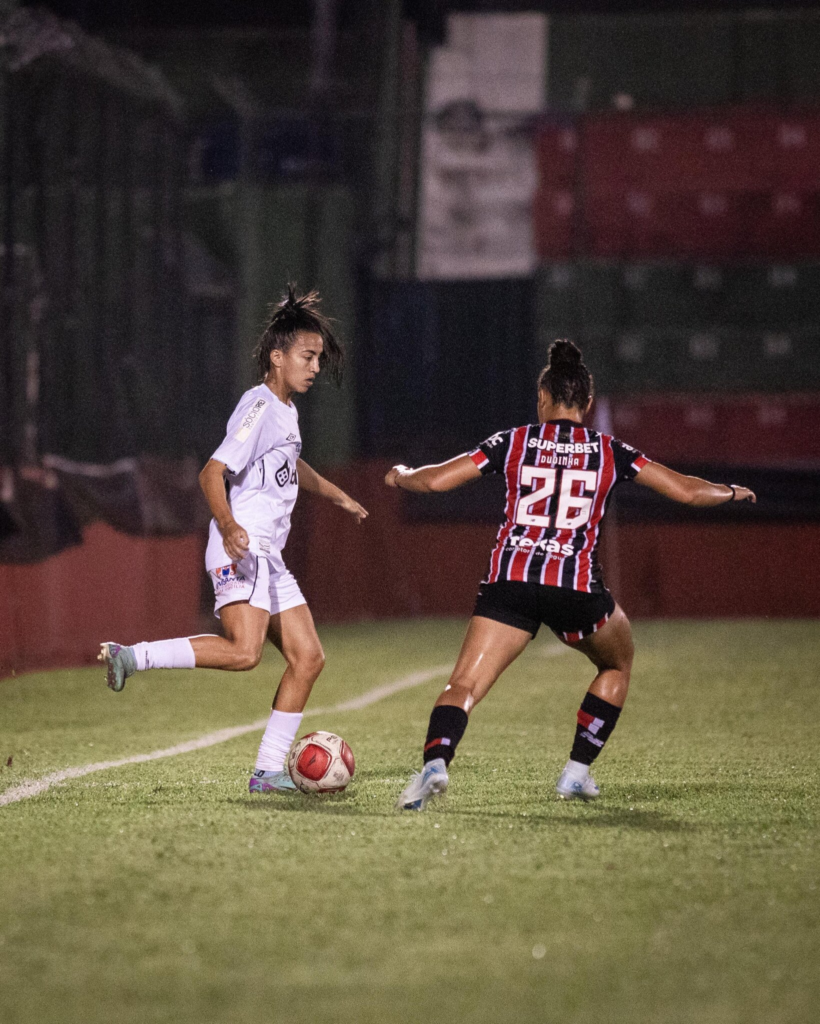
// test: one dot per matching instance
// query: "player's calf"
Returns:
(596, 720)
(448, 724)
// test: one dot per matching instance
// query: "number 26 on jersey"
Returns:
(574, 509)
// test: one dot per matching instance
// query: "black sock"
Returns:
(596, 720)
(447, 725)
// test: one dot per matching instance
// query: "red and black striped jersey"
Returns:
(559, 477)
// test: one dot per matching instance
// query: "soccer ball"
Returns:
(321, 762)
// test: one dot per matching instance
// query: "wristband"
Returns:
(734, 492)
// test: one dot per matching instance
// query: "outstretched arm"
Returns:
(690, 490)
(234, 537)
(310, 480)
(445, 476)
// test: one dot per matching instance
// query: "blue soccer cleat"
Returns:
(120, 662)
(431, 781)
(271, 782)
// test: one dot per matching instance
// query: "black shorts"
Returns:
(570, 614)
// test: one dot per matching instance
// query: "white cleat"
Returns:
(571, 787)
(431, 781)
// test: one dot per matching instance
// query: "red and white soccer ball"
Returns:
(321, 762)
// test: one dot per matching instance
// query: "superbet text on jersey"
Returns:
(559, 479)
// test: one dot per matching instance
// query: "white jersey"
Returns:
(260, 450)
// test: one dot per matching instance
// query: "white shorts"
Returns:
(261, 581)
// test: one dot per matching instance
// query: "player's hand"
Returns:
(235, 540)
(393, 475)
(744, 494)
(354, 508)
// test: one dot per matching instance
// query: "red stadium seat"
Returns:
(783, 225)
(557, 154)
(739, 183)
(754, 430)
(553, 218)
(794, 141)
(694, 152)
(605, 156)
(645, 225)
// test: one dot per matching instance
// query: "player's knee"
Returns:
(626, 656)
(308, 663)
(315, 662)
(615, 662)
(247, 658)
(462, 691)
(621, 657)
(619, 650)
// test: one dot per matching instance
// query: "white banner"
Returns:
(478, 173)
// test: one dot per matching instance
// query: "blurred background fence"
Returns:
(464, 182)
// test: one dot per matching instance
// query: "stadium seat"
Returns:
(671, 295)
(557, 155)
(554, 219)
(770, 295)
(783, 225)
(794, 140)
(754, 430)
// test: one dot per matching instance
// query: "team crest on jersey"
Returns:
(251, 419)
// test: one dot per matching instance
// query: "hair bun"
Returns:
(564, 354)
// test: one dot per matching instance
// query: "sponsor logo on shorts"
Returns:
(251, 419)
(227, 578)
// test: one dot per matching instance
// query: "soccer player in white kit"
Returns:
(251, 483)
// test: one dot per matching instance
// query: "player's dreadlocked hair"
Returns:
(293, 314)
(565, 377)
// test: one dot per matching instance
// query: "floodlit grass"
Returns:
(162, 892)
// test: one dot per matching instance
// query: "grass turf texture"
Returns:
(163, 892)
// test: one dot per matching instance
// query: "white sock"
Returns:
(577, 770)
(165, 654)
(278, 739)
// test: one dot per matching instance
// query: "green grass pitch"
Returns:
(162, 892)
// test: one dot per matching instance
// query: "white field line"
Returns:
(33, 787)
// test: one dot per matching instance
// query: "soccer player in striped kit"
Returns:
(544, 566)
(251, 483)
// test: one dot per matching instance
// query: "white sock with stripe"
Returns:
(165, 654)
(278, 739)
(577, 770)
